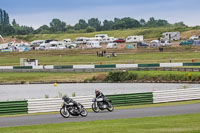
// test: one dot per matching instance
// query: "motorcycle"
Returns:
(101, 104)
(71, 109)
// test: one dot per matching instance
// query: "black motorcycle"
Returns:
(101, 104)
(71, 109)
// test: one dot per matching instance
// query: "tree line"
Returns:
(93, 24)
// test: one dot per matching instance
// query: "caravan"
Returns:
(93, 44)
(81, 40)
(55, 45)
(133, 39)
(175, 36)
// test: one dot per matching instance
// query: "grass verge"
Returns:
(176, 124)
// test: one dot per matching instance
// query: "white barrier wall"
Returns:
(6, 67)
(176, 95)
(171, 64)
(126, 65)
(54, 104)
(48, 67)
(83, 66)
(38, 67)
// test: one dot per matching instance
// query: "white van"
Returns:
(132, 39)
(93, 44)
(55, 45)
(81, 40)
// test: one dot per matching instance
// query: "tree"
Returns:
(107, 25)
(44, 29)
(90, 29)
(142, 22)
(95, 23)
(56, 25)
(82, 24)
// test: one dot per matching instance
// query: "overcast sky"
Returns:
(38, 12)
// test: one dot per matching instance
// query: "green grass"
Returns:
(44, 77)
(52, 77)
(165, 124)
(77, 57)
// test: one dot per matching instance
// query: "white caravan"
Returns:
(108, 39)
(111, 45)
(67, 41)
(93, 44)
(154, 43)
(81, 40)
(55, 45)
(194, 37)
(99, 39)
(171, 36)
(165, 43)
(132, 39)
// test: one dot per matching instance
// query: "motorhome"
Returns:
(134, 39)
(99, 39)
(108, 39)
(81, 40)
(93, 44)
(102, 35)
(175, 36)
(111, 45)
(67, 41)
(55, 45)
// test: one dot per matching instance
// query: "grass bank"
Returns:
(130, 76)
(176, 124)
(153, 76)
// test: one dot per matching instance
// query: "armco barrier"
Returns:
(191, 64)
(13, 107)
(148, 65)
(131, 99)
(64, 67)
(126, 65)
(54, 104)
(22, 67)
(176, 95)
(105, 66)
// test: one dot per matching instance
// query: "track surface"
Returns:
(104, 115)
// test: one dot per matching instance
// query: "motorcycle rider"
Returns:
(69, 100)
(99, 94)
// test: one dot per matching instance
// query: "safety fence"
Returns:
(54, 104)
(176, 95)
(110, 66)
(131, 99)
(13, 107)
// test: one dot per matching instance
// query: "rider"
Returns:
(69, 100)
(99, 94)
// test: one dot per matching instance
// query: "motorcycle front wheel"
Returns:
(84, 112)
(64, 112)
(94, 108)
(110, 107)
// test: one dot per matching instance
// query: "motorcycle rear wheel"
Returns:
(64, 112)
(94, 108)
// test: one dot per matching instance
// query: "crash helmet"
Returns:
(97, 92)
(65, 97)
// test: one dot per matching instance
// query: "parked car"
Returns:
(142, 44)
(187, 42)
(121, 40)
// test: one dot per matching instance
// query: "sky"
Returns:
(36, 13)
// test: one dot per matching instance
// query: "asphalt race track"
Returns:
(104, 115)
